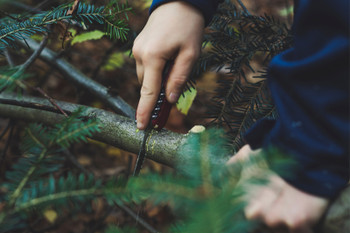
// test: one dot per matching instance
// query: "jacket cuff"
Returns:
(207, 7)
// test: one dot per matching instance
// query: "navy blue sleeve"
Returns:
(207, 7)
(310, 86)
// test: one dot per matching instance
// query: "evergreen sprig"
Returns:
(11, 78)
(58, 193)
(205, 195)
(39, 145)
(237, 39)
(21, 29)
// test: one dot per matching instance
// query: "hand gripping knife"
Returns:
(158, 119)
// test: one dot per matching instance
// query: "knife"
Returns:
(158, 119)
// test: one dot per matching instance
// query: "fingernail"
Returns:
(173, 97)
(139, 125)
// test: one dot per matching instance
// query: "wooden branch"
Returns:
(116, 103)
(162, 147)
(35, 55)
(116, 130)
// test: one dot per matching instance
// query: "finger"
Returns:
(179, 74)
(263, 202)
(241, 155)
(139, 72)
(149, 92)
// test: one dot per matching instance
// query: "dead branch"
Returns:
(116, 103)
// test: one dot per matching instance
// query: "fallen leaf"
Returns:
(50, 215)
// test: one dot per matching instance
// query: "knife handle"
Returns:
(161, 111)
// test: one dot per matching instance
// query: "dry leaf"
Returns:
(74, 7)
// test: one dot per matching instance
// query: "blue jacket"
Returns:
(310, 87)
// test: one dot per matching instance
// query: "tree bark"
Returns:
(116, 130)
(162, 147)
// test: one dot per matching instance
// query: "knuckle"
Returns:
(146, 91)
(178, 81)
(136, 50)
(141, 114)
(191, 54)
(151, 53)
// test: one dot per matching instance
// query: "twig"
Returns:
(9, 58)
(17, 102)
(74, 7)
(3, 155)
(116, 103)
(244, 8)
(138, 219)
(35, 55)
(27, 64)
(52, 101)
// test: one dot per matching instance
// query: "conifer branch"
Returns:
(25, 179)
(244, 8)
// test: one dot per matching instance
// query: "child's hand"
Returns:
(174, 31)
(279, 205)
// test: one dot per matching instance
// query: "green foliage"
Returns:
(116, 60)
(185, 101)
(205, 196)
(235, 41)
(12, 29)
(93, 35)
(116, 26)
(25, 187)
(59, 193)
(10, 78)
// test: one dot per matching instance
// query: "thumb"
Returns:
(179, 74)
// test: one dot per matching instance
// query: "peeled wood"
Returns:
(121, 132)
